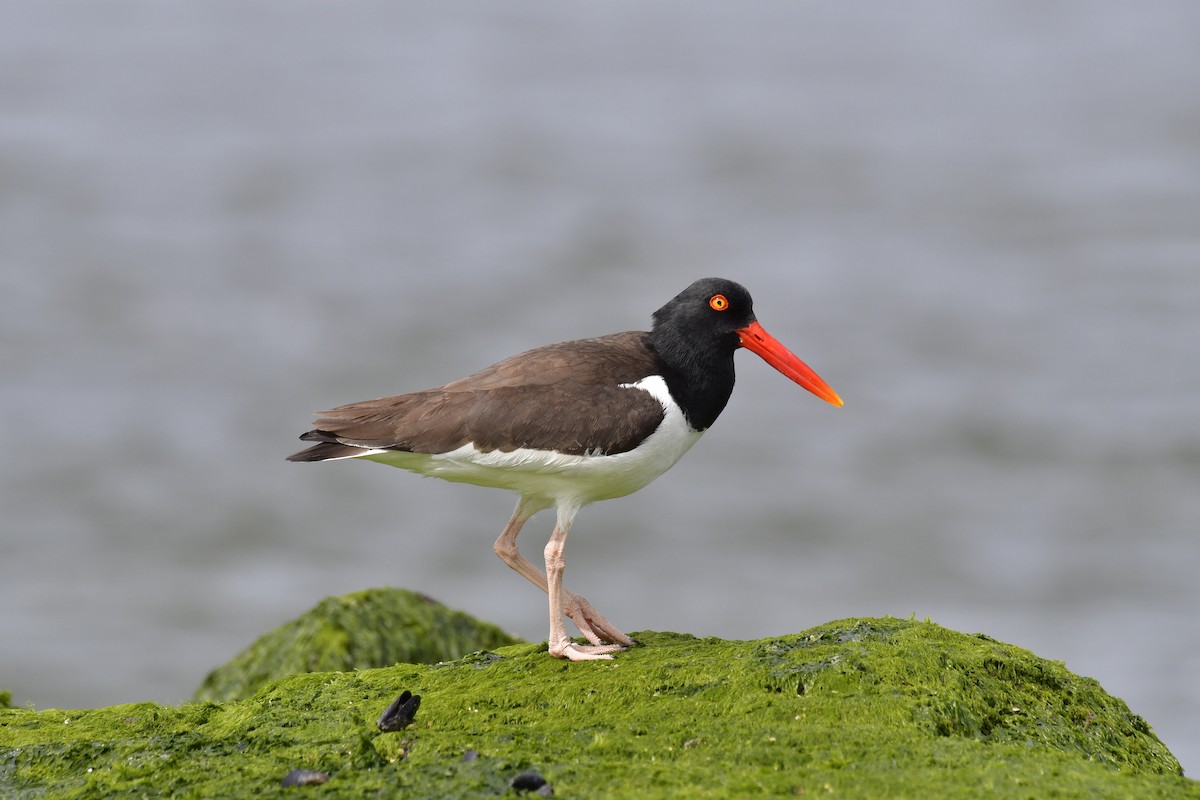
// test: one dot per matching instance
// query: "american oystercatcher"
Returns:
(569, 424)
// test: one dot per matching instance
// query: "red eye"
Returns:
(718, 302)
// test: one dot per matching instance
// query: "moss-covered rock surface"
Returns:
(372, 628)
(856, 708)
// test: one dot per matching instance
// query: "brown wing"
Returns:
(565, 397)
(616, 358)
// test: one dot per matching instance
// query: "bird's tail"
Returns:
(328, 449)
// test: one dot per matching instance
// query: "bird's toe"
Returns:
(582, 652)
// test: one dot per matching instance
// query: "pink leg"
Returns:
(595, 628)
(556, 563)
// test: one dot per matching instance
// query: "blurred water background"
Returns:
(979, 222)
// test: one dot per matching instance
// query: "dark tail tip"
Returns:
(327, 448)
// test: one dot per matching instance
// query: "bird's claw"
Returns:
(592, 624)
(567, 649)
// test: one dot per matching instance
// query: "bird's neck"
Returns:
(699, 378)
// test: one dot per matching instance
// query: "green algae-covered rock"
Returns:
(859, 708)
(373, 628)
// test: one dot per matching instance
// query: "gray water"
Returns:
(980, 224)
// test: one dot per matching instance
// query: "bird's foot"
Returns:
(565, 648)
(592, 624)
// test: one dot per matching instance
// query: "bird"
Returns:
(569, 424)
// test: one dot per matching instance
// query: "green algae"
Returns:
(856, 708)
(372, 628)
(980, 689)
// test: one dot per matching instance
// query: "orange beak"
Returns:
(755, 339)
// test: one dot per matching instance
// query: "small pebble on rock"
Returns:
(304, 777)
(529, 781)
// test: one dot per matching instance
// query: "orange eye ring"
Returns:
(718, 302)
